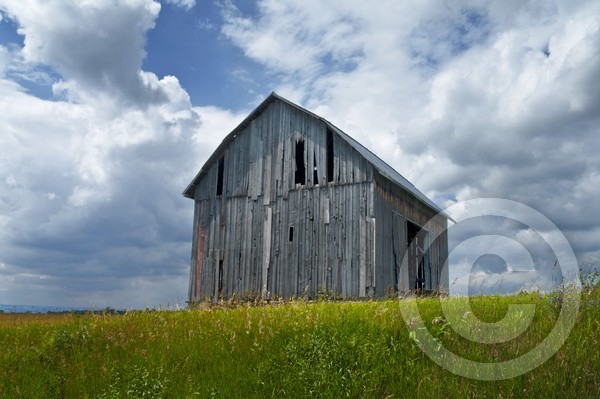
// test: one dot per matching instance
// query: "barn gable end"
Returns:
(290, 205)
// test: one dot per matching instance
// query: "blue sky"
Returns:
(207, 64)
(108, 109)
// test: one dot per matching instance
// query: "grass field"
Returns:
(294, 350)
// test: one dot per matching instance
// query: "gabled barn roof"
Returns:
(382, 167)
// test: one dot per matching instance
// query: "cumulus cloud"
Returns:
(97, 46)
(90, 207)
(466, 99)
(520, 116)
(115, 212)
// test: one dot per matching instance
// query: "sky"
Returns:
(109, 108)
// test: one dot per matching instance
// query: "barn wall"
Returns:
(261, 159)
(329, 251)
(242, 237)
(394, 206)
(349, 234)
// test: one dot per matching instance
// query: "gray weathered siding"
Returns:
(252, 242)
(394, 207)
(349, 235)
(260, 160)
(246, 230)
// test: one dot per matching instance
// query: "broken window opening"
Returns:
(315, 171)
(329, 156)
(300, 176)
(220, 170)
(291, 234)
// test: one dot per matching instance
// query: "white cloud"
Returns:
(85, 198)
(312, 29)
(185, 4)
(467, 100)
(91, 182)
(4, 60)
(97, 46)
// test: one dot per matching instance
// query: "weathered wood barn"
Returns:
(289, 205)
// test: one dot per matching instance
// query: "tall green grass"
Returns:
(295, 350)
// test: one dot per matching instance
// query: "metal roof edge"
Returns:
(386, 170)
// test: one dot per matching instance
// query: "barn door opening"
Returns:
(418, 263)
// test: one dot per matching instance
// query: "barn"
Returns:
(289, 205)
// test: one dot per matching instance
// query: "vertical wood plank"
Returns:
(266, 248)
